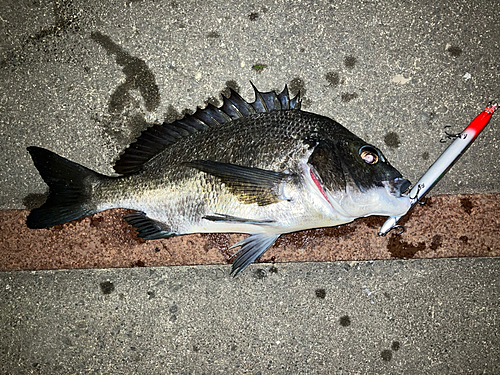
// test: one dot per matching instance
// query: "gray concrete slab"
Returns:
(83, 78)
(382, 317)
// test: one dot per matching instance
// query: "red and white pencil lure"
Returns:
(443, 163)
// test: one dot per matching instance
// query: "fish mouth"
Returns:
(397, 186)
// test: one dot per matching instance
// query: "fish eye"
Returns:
(369, 154)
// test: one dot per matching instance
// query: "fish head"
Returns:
(357, 179)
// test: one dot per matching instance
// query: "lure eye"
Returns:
(369, 155)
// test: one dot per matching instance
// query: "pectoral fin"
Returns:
(239, 220)
(251, 249)
(250, 185)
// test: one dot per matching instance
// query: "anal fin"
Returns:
(251, 249)
(147, 228)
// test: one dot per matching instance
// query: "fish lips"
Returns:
(397, 186)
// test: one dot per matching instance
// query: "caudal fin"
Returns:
(70, 187)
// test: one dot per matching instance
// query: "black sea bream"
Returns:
(263, 168)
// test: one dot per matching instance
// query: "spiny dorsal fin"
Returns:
(157, 138)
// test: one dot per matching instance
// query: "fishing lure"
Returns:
(443, 164)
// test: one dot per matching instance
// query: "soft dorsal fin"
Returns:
(155, 139)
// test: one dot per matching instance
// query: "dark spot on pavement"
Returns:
(386, 355)
(391, 139)
(373, 222)
(395, 346)
(467, 205)
(233, 348)
(230, 85)
(347, 97)
(213, 34)
(320, 293)
(107, 287)
(345, 321)
(297, 85)
(425, 155)
(436, 242)
(464, 239)
(196, 348)
(273, 269)
(253, 16)
(454, 51)
(212, 100)
(401, 249)
(349, 62)
(173, 309)
(260, 273)
(151, 294)
(218, 241)
(138, 263)
(65, 19)
(333, 78)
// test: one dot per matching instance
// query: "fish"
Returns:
(263, 168)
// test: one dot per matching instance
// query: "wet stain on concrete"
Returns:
(151, 294)
(402, 249)
(349, 62)
(373, 222)
(454, 51)
(464, 239)
(173, 311)
(107, 287)
(391, 139)
(138, 263)
(395, 346)
(333, 78)
(437, 241)
(213, 34)
(253, 16)
(65, 19)
(297, 86)
(386, 355)
(231, 84)
(346, 97)
(218, 241)
(320, 293)
(260, 274)
(212, 100)
(345, 321)
(466, 205)
(137, 73)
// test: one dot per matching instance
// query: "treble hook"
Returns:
(447, 135)
(401, 229)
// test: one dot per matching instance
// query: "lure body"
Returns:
(443, 163)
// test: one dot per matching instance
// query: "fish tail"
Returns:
(70, 189)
